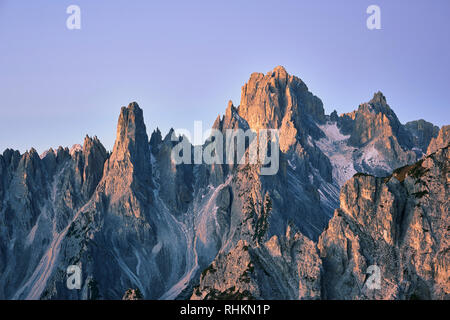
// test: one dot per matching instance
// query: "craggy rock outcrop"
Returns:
(422, 132)
(399, 224)
(175, 182)
(132, 294)
(117, 225)
(94, 156)
(280, 101)
(289, 268)
(139, 225)
(381, 143)
(441, 141)
(44, 194)
(129, 166)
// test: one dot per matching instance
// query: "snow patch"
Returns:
(372, 158)
(335, 147)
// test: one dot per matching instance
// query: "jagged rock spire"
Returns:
(94, 157)
(128, 171)
(155, 139)
(441, 141)
(132, 140)
(278, 100)
(378, 97)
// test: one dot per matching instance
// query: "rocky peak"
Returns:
(442, 140)
(155, 139)
(280, 101)
(376, 105)
(75, 148)
(397, 224)
(30, 162)
(132, 141)
(131, 131)
(128, 173)
(376, 119)
(230, 109)
(267, 99)
(11, 157)
(231, 119)
(94, 157)
(422, 132)
(91, 144)
(378, 99)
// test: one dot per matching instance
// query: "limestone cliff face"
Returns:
(43, 195)
(378, 136)
(123, 237)
(94, 157)
(141, 226)
(231, 120)
(397, 224)
(422, 132)
(175, 182)
(280, 101)
(400, 224)
(441, 141)
(376, 119)
(129, 166)
(286, 268)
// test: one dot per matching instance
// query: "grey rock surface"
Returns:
(140, 226)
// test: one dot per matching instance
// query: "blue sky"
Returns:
(183, 60)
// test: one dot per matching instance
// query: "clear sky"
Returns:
(183, 60)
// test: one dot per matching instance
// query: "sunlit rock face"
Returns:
(399, 224)
(380, 142)
(280, 101)
(286, 268)
(139, 225)
(129, 166)
(441, 141)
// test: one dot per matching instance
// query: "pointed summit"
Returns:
(132, 140)
(378, 98)
(131, 146)
(279, 72)
(127, 177)
(230, 109)
(130, 127)
(278, 100)
(155, 139)
(280, 69)
(231, 119)
(267, 99)
(94, 157)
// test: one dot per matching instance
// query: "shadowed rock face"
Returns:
(422, 132)
(43, 195)
(175, 182)
(94, 156)
(141, 226)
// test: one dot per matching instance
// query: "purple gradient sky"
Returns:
(183, 60)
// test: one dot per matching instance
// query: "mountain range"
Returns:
(353, 192)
